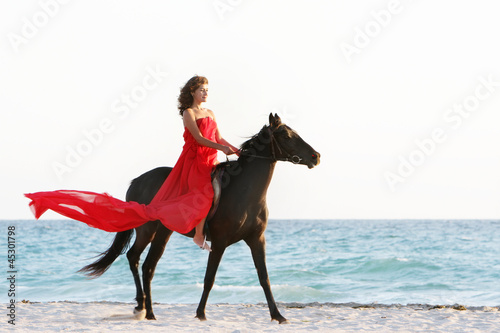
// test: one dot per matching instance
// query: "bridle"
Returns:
(295, 159)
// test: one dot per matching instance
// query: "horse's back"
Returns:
(143, 188)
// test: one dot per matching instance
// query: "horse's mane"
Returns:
(250, 142)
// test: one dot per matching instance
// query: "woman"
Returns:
(196, 119)
(184, 199)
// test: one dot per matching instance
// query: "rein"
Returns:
(295, 159)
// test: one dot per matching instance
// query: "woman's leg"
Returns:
(199, 236)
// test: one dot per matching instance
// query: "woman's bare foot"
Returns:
(201, 241)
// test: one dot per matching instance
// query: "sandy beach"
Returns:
(118, 317)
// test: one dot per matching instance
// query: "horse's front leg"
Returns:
(258, 247)
(213, 264)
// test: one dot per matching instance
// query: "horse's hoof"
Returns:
(201, 317)
(150, 317)
(281, 320)
(139, 314)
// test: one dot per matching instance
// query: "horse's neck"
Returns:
(264, 174)
(258, 164)
(259, 172)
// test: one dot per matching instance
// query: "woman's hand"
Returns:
(229, 151)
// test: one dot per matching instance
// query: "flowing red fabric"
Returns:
(182, 202)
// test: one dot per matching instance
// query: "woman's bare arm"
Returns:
(221, 140)
(190, 123)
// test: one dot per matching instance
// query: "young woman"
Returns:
(183, 201)
(201, 125)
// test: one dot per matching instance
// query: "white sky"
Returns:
(69, 74)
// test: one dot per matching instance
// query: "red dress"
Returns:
(182, 202)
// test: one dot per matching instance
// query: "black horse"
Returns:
(242, 214)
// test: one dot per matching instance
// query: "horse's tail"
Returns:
(120, 244)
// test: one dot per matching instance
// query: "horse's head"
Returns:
(287, 145)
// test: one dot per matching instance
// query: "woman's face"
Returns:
(200, 95)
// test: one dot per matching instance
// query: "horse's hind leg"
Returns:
(144, 235)
(148, 268)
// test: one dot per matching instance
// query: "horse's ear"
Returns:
(275, 120)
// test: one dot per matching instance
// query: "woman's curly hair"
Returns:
(185, 98)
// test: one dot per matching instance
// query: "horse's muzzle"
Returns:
(314, 160)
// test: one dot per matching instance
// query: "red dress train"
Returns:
(182, 202)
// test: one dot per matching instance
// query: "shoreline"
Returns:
(106, 316)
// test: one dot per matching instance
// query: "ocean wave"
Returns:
(325, 261)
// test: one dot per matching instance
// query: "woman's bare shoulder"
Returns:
(189, 113)
(211, 113)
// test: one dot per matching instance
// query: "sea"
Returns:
(440, 262)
